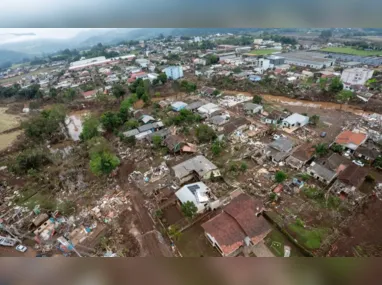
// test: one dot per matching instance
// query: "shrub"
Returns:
(280, 176)
(189, 209)
(29, 160)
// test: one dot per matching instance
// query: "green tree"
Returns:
(118, 91)
(321, 149)
(162, 77)
(216, 92)
(313, 120)
(336, 85)
(189, 209)
(257, 99)
(344, 96)
(53, 93)
(140, 91)
(90, 128)
(110, 121)
(378, 162)
(205, 133)
(146, 99)
(323, 82)
(29, 159)
(237, 70)
(280, 176)
(157, 141)
(70, 94)
(131, 124)
(103, 163)
(337, 148)
(217, 147)
(243, 166)
(174, 232)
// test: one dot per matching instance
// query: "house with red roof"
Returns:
(239, 225)
(89, 94)
(351, 140)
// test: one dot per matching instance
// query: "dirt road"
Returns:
(151, 240)
(6, 251)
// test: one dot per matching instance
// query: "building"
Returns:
(366, 153)
(356, 76)
(173, 143)
(197, 193)
(301, 156)
(350, 140)
(178, 106)
(209, 109)
(85, 63)
(308, 59)
(174, 72)
(194, 106)
(336, 162)
(273, 117)
(295, 120)
(251, 108)
(243, 49)
(198, 166)
(235, 126)
(239, 225)
(207, 91)
(276, 60)
(321, 173)
(279, 149)
(152, 127)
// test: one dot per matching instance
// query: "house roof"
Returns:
(199, 164)
(89, 94)
(234, 124)
(194, 105)
(335, 160)
(146, 118)
(172, 141)
(131, 133)
(304, 152)
(218, 120)
(209, 108)
(194, 192)
(322, 171)
(207, 90)
(353, 175)
(178, 105)
(161, 133)
(349, 137)
(296, 118)
(252, 106)
(237, 221)
(275, 115)
(147, 127)
(369, 152)
(282, 144)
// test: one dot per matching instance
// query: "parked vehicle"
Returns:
(276, 137)
(323, 134)
(21, 248)
(359, 163)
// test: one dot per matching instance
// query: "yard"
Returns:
(276, 241)
(352, 51)
(263, 51)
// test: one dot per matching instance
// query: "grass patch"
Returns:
(318, 195)
(263, 51)
(309, 238)
(353, 51)
(276, 241)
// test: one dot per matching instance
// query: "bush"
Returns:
(90, 128)
(243, 166)
(321, 149)
(337, 148)
(29, 160)
(103, 163)
(280, 176)
(217, 147)
(157, 141)
(110, 121)
(257, 99)
(205, 134)
(189, 209)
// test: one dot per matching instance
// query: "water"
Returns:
(74, 124)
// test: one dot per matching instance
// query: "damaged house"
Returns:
(173, 143)
(239, 225)
(251, 108)
(197, 167)
(321, 173)
(348, 182)
(301, 156)
(273, 117)
(279, 149)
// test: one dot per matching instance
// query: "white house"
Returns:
(295, 120)
(356, 76)
(197, 193)
(174, 72)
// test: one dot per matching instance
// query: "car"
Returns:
(323, 134)
(276, 137)
(21, 248)
(359, 163)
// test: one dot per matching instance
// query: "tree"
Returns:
(157, 94)
(217, 147)
(70, 94)
(216, 92)
(118, 91)
(189, 209)
(336, 85)
(140, 91)
(237, 70)
(257, 99)
(53, 92)
(174, 232)
(313, 120)
(29, 159)
(110, 121)
(212, 59)
(103, 163)
(337, 148)
(205, 133)
(131, 124)
(378, 162)
(322, 83)
(280, 176)
(90, 128)
(326, 34)
(162, 77)
(157, 141)
(321, 149)
(344, 96)
(146, 99)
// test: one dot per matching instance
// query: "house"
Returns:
(251, 108)
(198, 166)
(161, 133)
(239, 225)
(356, 76)
(219, 120)
(197, 193)
(163, 103)
(153, 127)
(366, 153)
(321, 173)
(276, 60)
(131, 133)
(350, 140)
(279, 149)
(349, 180)
(209, 109)
(336, 162)
(301, 156)
(236, 125)
(90, 94)
(147, 119)
(194, 106)
(173, 72)
(173, 143)
(295, 120)
(177, 106)
(207, 91)
(273, 117)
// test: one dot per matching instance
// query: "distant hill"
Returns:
(9, 56)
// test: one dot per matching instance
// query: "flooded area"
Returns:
(74, 124)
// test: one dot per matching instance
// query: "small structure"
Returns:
(273, 117)
(131, 133)
(173, 143)
(177, 106)
(194, 106)
(209, 109)
(207, 90)
(147, 119)
(239, 225)
(295, 120)
(336, 162)
(366, 153)
(219, 120)
(153, 127)
(301, 156)
(279, 149)
(89, 94)
(321, 173)
(350, 140)
(198, 166)
(197, 193)
(251, 108)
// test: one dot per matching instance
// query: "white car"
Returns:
(21, 248)
(359, 163)
(276, 137)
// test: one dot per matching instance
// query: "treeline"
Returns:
(31, 92)
(278, 38)
(237, 41)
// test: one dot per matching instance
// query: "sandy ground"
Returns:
(7, 121)
(7, 139)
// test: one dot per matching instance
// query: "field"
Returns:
(263, 51)
(352, 51)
